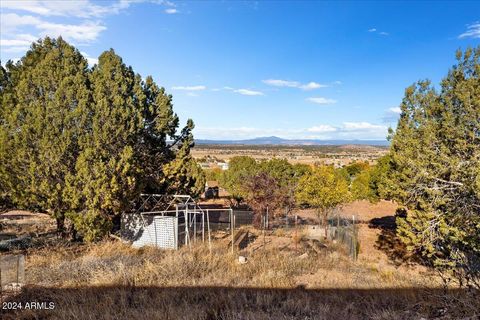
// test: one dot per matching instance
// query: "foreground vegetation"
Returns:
(111, 280)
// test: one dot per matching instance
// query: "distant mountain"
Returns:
(304, 142)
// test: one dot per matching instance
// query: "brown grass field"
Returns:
(281, 280)
(337, 155)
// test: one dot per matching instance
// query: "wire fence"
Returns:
(12, 271)
(345, 231)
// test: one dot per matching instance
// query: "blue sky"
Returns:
(321, 70)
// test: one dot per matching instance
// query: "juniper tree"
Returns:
(42, 108)
(132, 146)
(83, 143)
(435, 170)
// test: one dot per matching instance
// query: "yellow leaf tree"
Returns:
(324, 189)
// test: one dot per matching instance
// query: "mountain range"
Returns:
(304, 142)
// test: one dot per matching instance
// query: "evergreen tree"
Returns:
(42, 108)
(240, 169)
(83, 143)
(435, 170)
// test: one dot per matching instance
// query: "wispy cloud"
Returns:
(294, 84)
(171, 11)
(91, 61)
(391, 115)
(312, 86)
(321, 100)
(376, 31)
(473, 31)
(23, 22)
(396, 110)
(322, 128)
(190, 88)
(247, 92)
(281, 83)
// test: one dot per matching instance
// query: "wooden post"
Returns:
(266, 222)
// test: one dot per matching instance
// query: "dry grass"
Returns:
(282, 279)
(112, 280)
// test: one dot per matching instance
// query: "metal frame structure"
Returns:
(191, 221)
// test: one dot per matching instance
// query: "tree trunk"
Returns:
(61, 226)
(325, 223)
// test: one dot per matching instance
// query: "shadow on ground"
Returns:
(130, 302)
(388, 240)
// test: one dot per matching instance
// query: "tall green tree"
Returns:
(240, 169)
(83, 143)
(105, 178)
(5, 87)
(324, 189)
(435, 170)
(42, 108)
(132, 146)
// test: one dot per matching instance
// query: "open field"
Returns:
(282, 279)
(338, 155)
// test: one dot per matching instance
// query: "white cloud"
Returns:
(83, 32)
(40, 18)
(76, 8)
(375, 30)
(91, 61)
(355, 126)
(293, 84)
(312, 86)
(189, 88)
(21, 40)
(281, 83)
(321, 100)
(473, 31)
(396, 110)
(348, 131)
(322, 128)
(391, 115)
(337, 82)
(86, 32)
(171, 11)
(247, 92)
